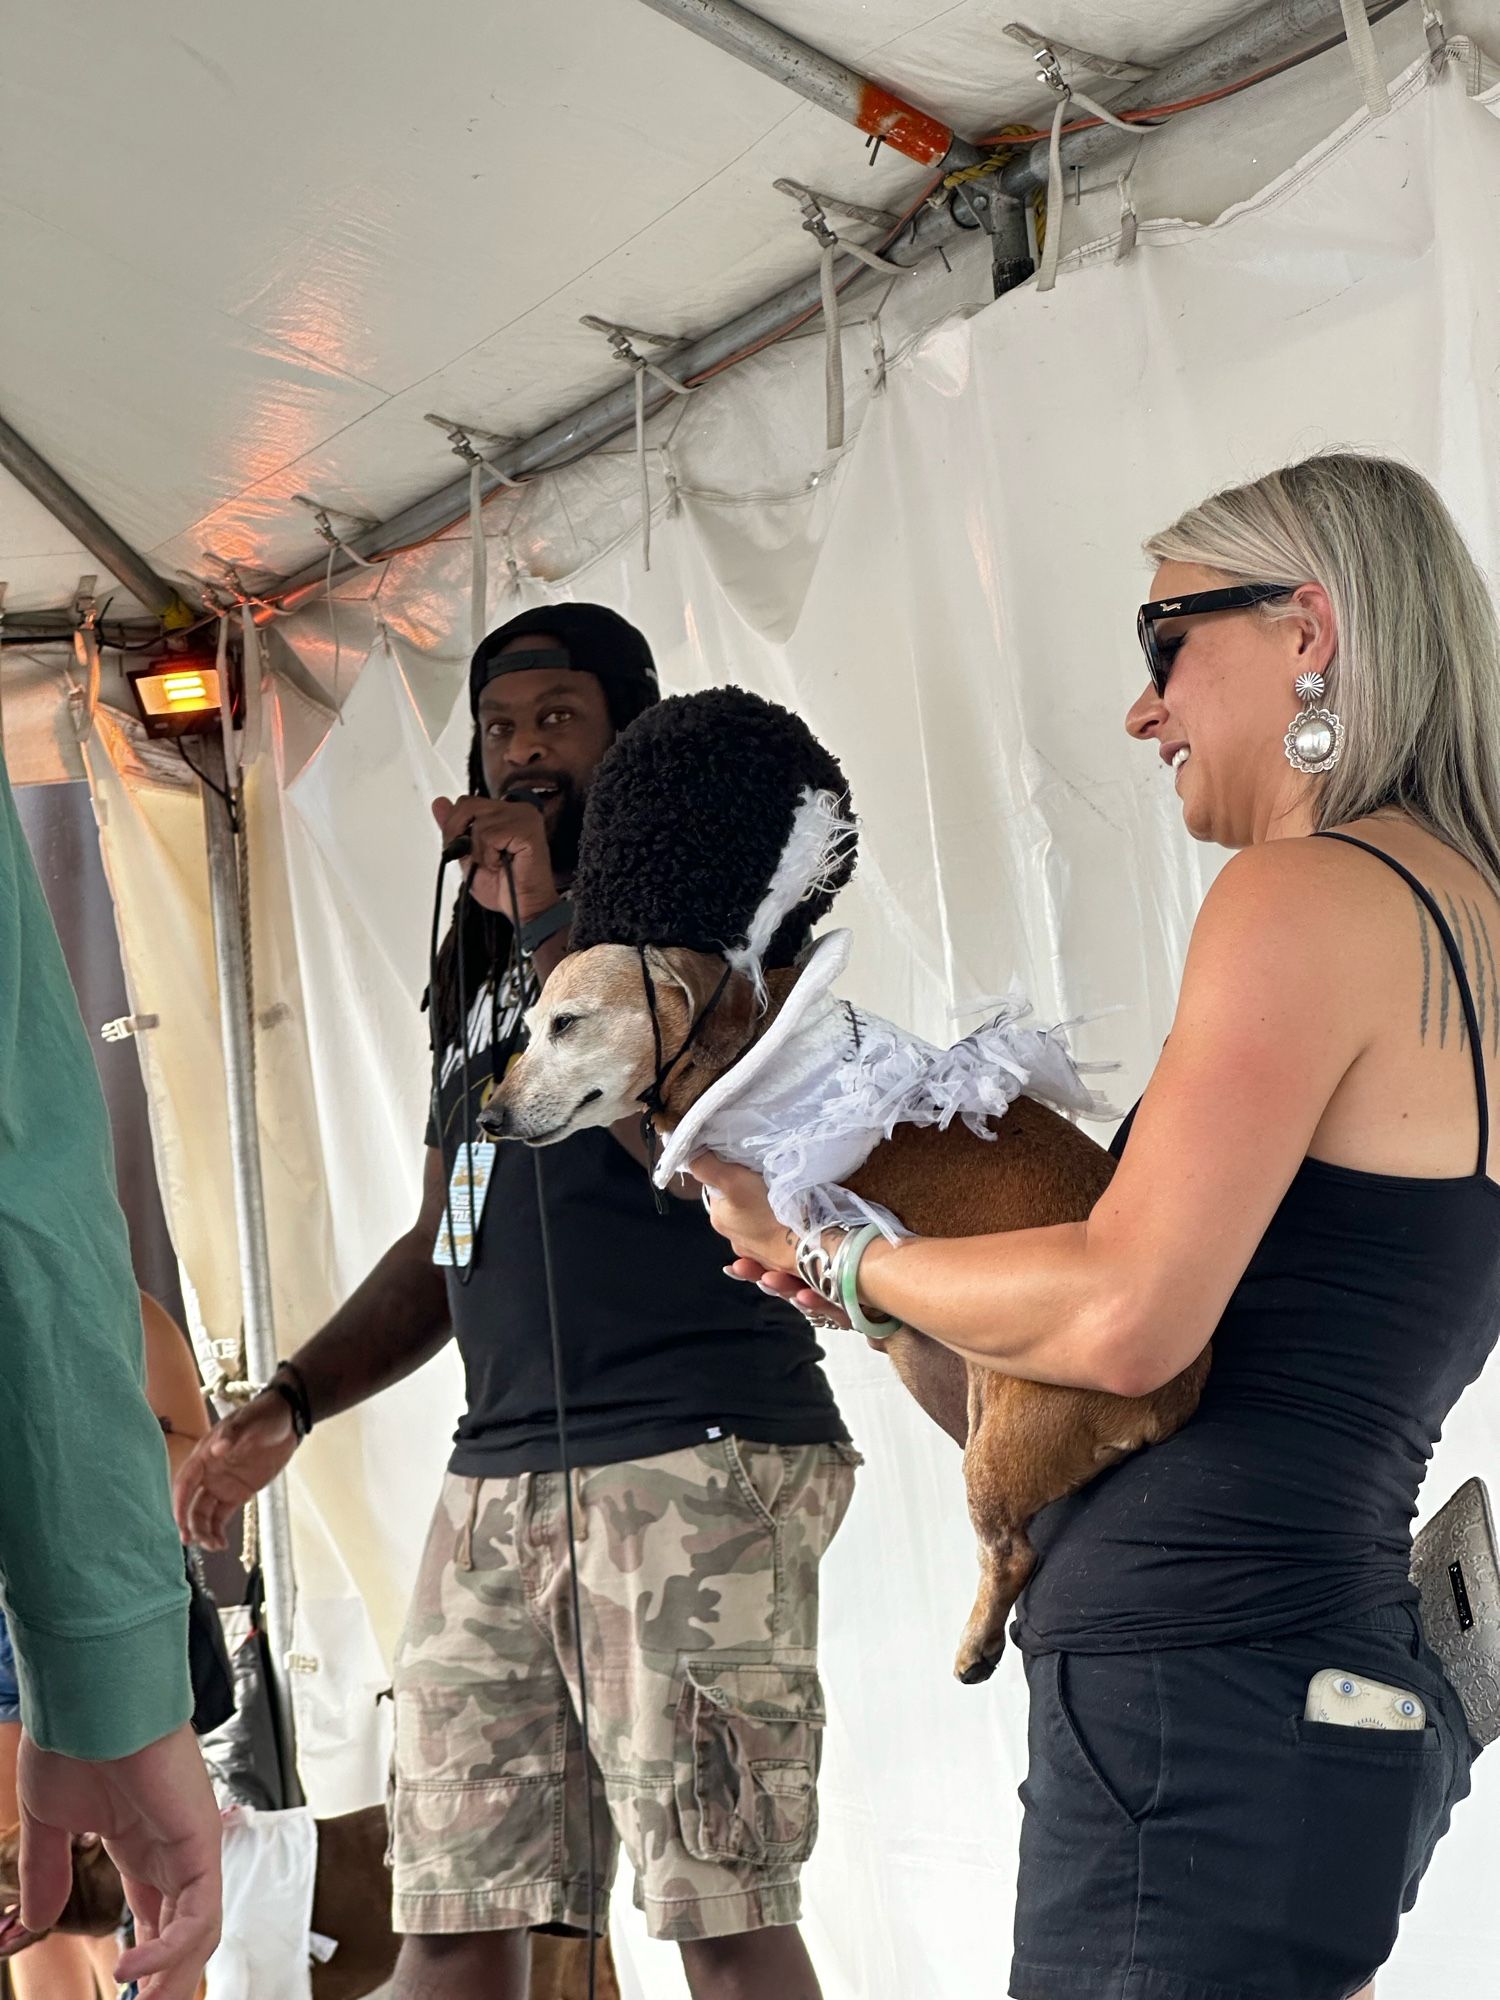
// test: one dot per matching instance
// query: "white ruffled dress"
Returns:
(810, 1101)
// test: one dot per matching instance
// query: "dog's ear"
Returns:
(696, 978)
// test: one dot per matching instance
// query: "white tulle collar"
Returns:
(810, 1101)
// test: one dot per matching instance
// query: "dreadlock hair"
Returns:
(484, 938)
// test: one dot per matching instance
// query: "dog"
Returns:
(592, 1059)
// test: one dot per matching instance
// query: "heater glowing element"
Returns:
(177, 696)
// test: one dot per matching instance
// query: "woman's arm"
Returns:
(172, 1386)
(1279, 998)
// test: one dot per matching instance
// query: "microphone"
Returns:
(462, 845)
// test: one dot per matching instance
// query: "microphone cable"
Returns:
(524, 972)
(518, 970)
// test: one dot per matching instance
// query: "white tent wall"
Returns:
(951, 606)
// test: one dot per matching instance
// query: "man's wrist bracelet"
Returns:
(289, 1385)
(835, 1278)
(545, 924)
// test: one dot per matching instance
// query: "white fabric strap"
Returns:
(479, 556)
(250, 734)
(86, 653)
(1067, 95)
(833, 370)
(1046, 277)
(833, 357)
(643, 368)
(643, 465)
(1366, 60)
(1129, 220)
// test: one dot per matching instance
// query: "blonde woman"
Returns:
(1307, 1182)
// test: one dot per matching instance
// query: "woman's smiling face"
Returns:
(1229, 698)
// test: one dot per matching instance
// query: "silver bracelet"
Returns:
(834, 1276)
(816, 1268)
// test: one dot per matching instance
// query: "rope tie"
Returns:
(1049, 70)
(622, 344)
(830, 246)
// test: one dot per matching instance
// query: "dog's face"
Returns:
(591, 1055)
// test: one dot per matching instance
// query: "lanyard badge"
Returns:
(473, 1168)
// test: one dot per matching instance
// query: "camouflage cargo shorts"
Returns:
(698, 1580)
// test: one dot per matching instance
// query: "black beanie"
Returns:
(598, 642)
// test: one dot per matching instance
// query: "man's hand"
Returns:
(232, 1464)
(156, 1814)
(501, 829)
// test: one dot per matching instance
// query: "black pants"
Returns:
(1188, 1836)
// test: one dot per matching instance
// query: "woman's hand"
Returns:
(765, 1250)
(738, 1209)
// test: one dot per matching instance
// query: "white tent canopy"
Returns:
(948, 600)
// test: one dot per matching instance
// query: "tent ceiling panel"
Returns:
(246, 250)
(40, 563)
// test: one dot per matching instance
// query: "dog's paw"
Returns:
(972, 1672)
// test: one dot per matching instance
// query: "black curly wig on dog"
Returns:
(687, 818)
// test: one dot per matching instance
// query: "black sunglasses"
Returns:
(1160, 652)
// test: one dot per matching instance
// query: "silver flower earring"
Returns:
(1316, 738)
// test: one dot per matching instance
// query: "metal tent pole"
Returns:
(820, 78)
(237, 1031)
(43, 483)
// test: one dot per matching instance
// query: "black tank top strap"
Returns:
(1450, 944)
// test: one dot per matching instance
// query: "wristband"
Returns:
(874, 1326)
(546, 924)
(288, 1384)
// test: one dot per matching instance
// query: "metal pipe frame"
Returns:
(70, 508)
(822, 80)
(1271, 31)
(236, 1030)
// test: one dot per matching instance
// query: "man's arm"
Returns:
(394, 1322)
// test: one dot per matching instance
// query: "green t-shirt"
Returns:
(91, 1571)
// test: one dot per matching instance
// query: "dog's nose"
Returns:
(494, 1121)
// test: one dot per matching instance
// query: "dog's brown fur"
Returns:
(1025, 1444)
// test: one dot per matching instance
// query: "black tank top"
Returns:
(1286, 1502)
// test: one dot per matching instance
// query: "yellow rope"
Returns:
(993, 162)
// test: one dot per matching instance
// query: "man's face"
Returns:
(544, 730)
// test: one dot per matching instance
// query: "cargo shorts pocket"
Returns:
(748, 1744)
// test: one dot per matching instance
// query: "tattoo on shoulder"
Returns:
(1476, 948)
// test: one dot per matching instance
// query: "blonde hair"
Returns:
(1416, 674)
